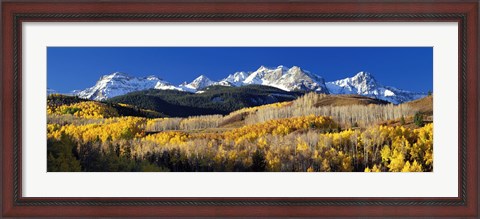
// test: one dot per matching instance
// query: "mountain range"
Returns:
(284, 78)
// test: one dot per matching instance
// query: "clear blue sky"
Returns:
(70, 68)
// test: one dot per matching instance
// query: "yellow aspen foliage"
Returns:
(262, 142)
(385, 153)
(266, 106)
(347, 164)
(167, 138)
(281, 129)
(110, 129)
(428, 158)
(425, 143)
(416, 167)
(307, 142)
(277, 127)
(86, 109)
(302, 146)
(325, 166)
(273, 162)
(375, 168)
(397, 161)
(406, 167)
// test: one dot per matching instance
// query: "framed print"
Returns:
(240, 109)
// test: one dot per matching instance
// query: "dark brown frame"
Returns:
(16, 12)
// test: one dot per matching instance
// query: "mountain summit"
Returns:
(363, 83)
(199, 83)
(120, 83)
(235, 79)
(282, 77)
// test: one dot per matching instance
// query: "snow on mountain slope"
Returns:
(363, 83)
(288, 79)
(235, 79)
(298, 79)
(120, 83)
(163, 85)
(199, 83)
(281, 77)
(265, 76)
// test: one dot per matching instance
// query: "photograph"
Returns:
(240, 109)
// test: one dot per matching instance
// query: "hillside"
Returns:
(70, 104)
(345, 100)
(423, 105)
(212, 100)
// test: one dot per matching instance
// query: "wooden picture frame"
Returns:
(14, 13)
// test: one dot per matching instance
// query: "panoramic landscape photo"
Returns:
(239, 109)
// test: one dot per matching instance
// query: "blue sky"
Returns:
(70, 68)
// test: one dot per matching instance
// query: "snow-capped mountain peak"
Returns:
(117, 75)
(294, 78)
(363, 83)
(153, 78)
(235, 79)
(282, 77)
(364, 77)
(264, 75)
(294, 68)
(119, 83)
(262, 68)
(363, 74)
(199, 83)
(297, 78)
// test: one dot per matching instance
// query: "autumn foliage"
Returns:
(87, 109)
(91, 137)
